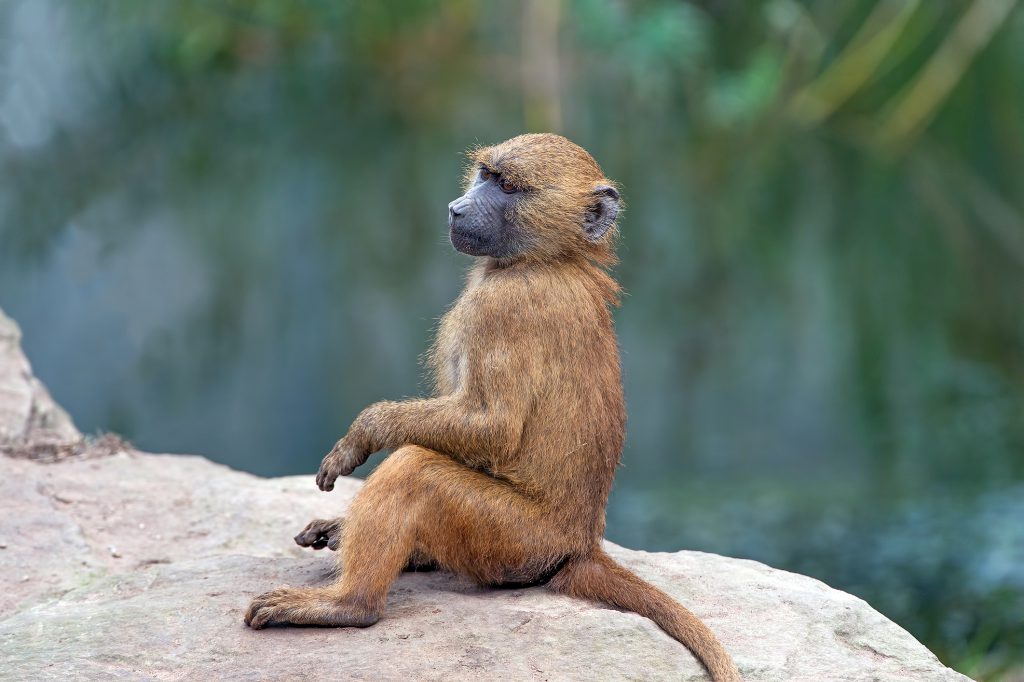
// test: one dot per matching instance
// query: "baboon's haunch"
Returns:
(504, 474)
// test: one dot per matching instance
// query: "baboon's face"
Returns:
(534, 196)
(480, 222)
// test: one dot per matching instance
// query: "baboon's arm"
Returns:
(464, 428)
(481, 421)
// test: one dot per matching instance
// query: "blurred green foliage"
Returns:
(222, 228)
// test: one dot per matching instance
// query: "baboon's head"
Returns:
(535, 197)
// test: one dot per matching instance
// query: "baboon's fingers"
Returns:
(316, 540)
(341, 461)
(328, 473)
(325, 482)
(320, 533)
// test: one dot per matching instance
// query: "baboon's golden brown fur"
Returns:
(504, 474)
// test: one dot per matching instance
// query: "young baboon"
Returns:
(504, 474)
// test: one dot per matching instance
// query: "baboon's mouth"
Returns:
(468, 243)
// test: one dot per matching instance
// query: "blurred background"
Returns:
(222, 228)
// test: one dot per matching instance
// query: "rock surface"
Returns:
(138, 567)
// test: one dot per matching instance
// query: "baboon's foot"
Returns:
(306, 606)
(320, 533)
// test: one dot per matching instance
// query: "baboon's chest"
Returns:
(454, 370)
(450, 358)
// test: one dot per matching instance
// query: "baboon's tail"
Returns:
(599, 578)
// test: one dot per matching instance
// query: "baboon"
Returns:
(504, 474)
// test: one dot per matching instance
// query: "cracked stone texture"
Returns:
(138, 567)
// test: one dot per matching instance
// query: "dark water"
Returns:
(225, 234)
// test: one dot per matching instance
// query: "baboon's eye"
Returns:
(506, 185)
(485, 174)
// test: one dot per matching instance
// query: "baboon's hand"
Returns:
(342, 460)
(320, 533)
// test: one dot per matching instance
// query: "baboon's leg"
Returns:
(420, 502)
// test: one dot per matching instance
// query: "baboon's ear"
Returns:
(602, 212)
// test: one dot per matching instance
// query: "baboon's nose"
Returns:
(453, 213)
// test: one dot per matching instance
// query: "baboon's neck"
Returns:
(601, 281)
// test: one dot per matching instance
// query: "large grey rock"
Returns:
(137, 566)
